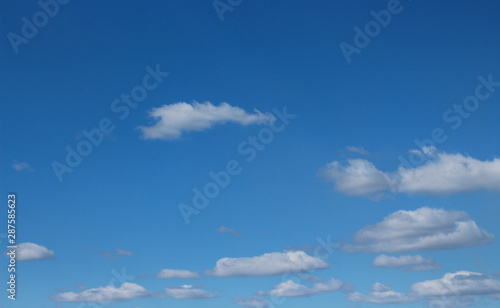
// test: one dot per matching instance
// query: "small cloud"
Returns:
(173, 273)
(359, 150)
(188, 292)
(22, 166)
(407, 263)
(223, 229)
(122, 252)
(292, 289)
(32, 251)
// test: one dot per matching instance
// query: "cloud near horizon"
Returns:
(442, 173)
(462, 288)
(268, 264)
(175, 119)
(424, 229)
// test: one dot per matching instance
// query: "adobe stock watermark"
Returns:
(120, 107)
(48, 9)
(223, 6)
(372, 29)
(221, 179)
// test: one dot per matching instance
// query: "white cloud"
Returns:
(292, 289)
(383, 295)
(173, 273)
(32, 251)
(188, 292)
(269, 264)
(408, 263)
(442, 173)
(174, 119)
(254, 301)
(122, 252)
(453, 290)
(359, 150)
(424, 229)
(223, 229)
(21, 166)
(126, 291)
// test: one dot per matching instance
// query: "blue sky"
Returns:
(386, 171)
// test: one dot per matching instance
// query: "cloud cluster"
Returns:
(424, 229)
(408, 263)
(175, 119)
(269, 264)
(32, 251)
(442, 173)
(129, 291)
(453, 289)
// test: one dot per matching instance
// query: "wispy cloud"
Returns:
(22, 166)
(421, 230)
(110, 255)
(122, 252)
(407, 263)
(174, 273)
(359, 150)
(188, 292)
(223, 229)
(269, 264)
(175, 119)
(442, 173)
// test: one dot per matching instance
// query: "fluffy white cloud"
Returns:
(441, 173)
(126, 291)
(381, 294)
(32, 251)
(188, 292)
(453, 290)
(292, 289)
(269, 264)
(408, 263)
(421, 230)
(172, 120)
(173, 273)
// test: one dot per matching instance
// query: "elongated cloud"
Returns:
(32, 251)
(188, 292)
(421, 230)
(407, 263)
(382, 294)
(173, 273)
(442, 173)
(269, 264)
(452, 290)
(125, 292)
(175, 119)
(292, 289)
